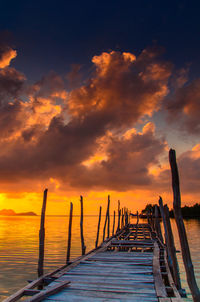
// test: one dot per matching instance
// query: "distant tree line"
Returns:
(187, 212)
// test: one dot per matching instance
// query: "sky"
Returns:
(93, 94)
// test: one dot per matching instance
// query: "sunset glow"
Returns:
(103, 131)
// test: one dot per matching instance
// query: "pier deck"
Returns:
(129, 267)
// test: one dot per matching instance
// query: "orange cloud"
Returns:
(123, 88)
(87, 139)
(184, 107)
(6, 55)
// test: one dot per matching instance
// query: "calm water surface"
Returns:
(19, 247)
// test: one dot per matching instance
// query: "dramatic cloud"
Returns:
(189, 163)
(6, 55)
(84, 137)
(124, 163)
(184, 107)
(123, 88)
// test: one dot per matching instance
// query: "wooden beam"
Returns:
(98, 228)
(137, 218)
(119, 214)
(172, 248)
(159, 286)
(83, 247)
(69, 233)
(113, 229)
(157, 224)
(104, 228)
(42, 236)
(49, 291)
(108, 214)
(181, 228)
(163, 218)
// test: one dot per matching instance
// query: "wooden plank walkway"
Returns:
(130, 267)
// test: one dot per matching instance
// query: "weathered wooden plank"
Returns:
(113, 271)
(48, 292)
(131, 265)
(123, 284)
(31, 292)
(134, 254)
(160, 288)
(78, 298)
(117, 260)
(103, 294)
(171, 281)
(132, 278)
(112, 288)
(110, 274)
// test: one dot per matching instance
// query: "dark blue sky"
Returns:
(51, 35)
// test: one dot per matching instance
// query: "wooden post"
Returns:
(175, 268)
(163, 218)
(69, 233)
(42, 236)
(166, 233)
(137, 218)
(98, 228)
(157, 224)
(181, 228)
(83, 247)
(113, 230)
(122, 218)
(108, 214)
(119, 214)
(126, 216)
(104, 228)
(129, 217)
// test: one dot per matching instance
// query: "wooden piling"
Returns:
(98, 228)
(122, 218)
(175, 268)
(69, 233)
(104, 228)
(119, 214)
(42, 236)
(83, 247)
(166, 233)
(163, 218)
(108, 214)
(137, 218)
(157, 224)
(181, 228)
(113, 229)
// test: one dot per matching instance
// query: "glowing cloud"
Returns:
(6, 55)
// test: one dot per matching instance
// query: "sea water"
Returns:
(19, 247)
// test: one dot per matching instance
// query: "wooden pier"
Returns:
(134, 264)
(130, 266)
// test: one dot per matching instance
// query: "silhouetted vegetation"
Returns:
(150, 208)
(189, 212)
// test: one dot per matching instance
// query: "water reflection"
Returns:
(19, 247)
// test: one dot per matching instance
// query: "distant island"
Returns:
(9, 212)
